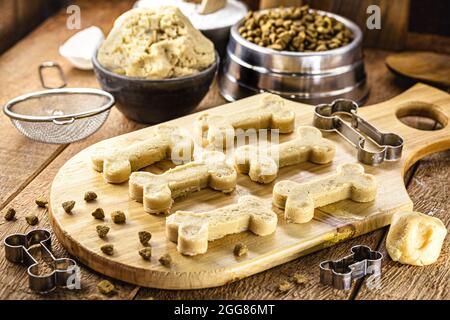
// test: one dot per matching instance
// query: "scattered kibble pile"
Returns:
(298, 29)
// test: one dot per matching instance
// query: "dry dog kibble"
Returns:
(166, 260)
(10, 214)
(240, 249)
(90, 196)
(32, 219)
(118, 217)
(146, 253)
(144, 237)
(107, 249)
(298, 29)
(98, 214)
(41, 202)
(105, 287)
(68, 206)
(298, 278)
(284, 286)
(102, 231)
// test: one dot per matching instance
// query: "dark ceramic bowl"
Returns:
(155, 101)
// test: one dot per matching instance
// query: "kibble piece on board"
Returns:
(105, 287)
(10, 214)
(102, 231)
(90, 196)
(107, 249)
(240, 249)
(41, 201)
(32, 219)
(68, 206)
(166, 260)
(284, 286)
(118, 217)
(146, 253)
(98, 214)
(144, 237)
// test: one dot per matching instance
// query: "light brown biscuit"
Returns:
(166, 143)
(192, 231)
(220, 131)
(300, 199)
(415, 238)
(262, 163)
(158, 191)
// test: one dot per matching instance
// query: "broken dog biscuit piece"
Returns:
(157, 192)
(105, 287)
(118, 163)
(300, 199)
(192, 230)
(284, 286)
(415, 238)
(262, 163)
(271, 113)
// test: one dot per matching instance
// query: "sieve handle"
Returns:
(64, 121)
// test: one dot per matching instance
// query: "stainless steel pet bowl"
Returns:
(310, 77)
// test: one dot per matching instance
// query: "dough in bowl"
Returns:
(155, 43)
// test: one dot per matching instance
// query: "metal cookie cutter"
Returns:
(22, 248)
(339, 274)
(391, 144)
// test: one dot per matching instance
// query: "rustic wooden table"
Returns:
(27, 169)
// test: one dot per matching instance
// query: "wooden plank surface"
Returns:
(32, 180)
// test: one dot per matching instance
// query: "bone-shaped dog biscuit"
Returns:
(192, 231)
(118, 163)
(270, 114)
(262, 163)
(300, 199)
(157, 192)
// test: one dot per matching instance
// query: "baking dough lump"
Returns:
(415, 238)
(155, 43)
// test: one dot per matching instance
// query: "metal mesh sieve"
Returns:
(60, 115)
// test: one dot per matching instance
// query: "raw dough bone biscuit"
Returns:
(300, 199)
(192, 231)
(262, 163)
(158, 191)
(118, 163)
(415, 238)
(270, 114)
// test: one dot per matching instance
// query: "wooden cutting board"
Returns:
(331, 224)
(429, 67)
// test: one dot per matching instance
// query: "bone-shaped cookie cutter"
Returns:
(325, 118)
(339, 274)
(19, 248)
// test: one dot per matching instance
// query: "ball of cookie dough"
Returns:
(415, 238)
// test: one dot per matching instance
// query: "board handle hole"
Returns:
(422, 116)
